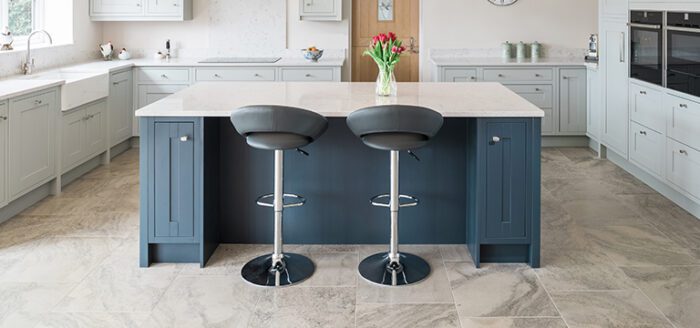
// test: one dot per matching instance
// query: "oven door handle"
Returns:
(651, 26)
(683, 29)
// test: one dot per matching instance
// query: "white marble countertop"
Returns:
(17, 87)
(220, 99)
(494, 61)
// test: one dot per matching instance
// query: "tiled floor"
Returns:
(615, 254)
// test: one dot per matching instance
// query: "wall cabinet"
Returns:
(32, 136)
(614, 8)
(120, 105)
(141, 10)
(83, 134)
(4, 116)
(572, 100)
(615, 70)
(503, 213)
(321, 10)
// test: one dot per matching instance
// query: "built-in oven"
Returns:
(646, 46)
(683, 55)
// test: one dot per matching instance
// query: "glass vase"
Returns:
(386, 83)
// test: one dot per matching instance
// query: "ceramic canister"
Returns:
(520, 50)
(535, 50)
(507, 50)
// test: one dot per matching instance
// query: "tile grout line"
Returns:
(556, 307)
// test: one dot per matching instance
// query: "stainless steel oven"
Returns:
(683, 53)
(646, 46)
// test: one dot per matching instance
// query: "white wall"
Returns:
(86, 38)
(559, 24)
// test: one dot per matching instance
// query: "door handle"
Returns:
(622, 47)
(412, 45)
(185, 138)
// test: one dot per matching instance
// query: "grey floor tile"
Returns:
(455, 253)
(228, 259)
(498, 291)
(333, 270)
(305, 307)
(601, 212)
(407, 316)
(608, 309)
(674, 290)
(75, 320)
(30, 298)
(513, 323)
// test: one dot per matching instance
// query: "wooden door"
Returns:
(366, 24)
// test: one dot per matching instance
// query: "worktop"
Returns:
(18, 87)
(496, 61)
(220, 99)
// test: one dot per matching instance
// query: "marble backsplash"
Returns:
(547, 52)
(45, 58)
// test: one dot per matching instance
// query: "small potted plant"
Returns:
(386, 51)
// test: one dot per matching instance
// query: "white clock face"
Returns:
(502, 2)
(385, 10)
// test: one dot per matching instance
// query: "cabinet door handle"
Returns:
(216, 75)
(472, 77)
(256, 75)
(496, 139)
(537, 89)
(184, 138)
(115, 83)
(684, 152)
(622, 47)
(3, 118)
(164, 76)
(537, 75)
(38, 102)
(500, 75)
(642, 92)
(643, 133)
(309, 75)
(564, 77)
(683, 105)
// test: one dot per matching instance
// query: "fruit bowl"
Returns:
(312, 54)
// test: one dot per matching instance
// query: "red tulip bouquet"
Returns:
(386, 51)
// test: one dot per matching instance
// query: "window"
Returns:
(21, 16)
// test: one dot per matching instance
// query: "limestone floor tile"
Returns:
(56, 259)
(601, 212)
(74, 320)
(228, 259)
(552, 213)
(58, 205)
(312, 249)
(566, 189)
(407, 316)
(638, 245)
(434, 289)
(498, 291)
(513, 323)
(23, 230)
(569, 237)
(119, 285)
(333, 270)
(455, 253)
(100, 224)
(608, 309)
(206, 301)
(578, 154)
(305, 307)
(30, 297)
(674, 290)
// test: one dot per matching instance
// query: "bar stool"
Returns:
(278, 128)
(394, 128)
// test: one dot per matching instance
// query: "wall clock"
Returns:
(502, 2)
(385, 10)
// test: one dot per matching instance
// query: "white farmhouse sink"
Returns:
(80, 87)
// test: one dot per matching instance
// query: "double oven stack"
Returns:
(665, 49)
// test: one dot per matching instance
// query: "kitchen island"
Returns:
(478, 181)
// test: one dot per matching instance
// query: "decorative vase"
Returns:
(386, 82)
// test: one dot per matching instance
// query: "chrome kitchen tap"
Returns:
(28, 65)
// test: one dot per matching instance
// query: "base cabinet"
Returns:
(503, 207)
(4, 115)
(32, 133)
(120, 104)
(572, 100)
(83, 134)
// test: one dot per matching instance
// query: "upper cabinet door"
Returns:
(614, 8)
(164, 7)
(318, 6)
(114, 7)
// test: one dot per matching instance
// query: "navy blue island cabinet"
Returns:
(478, 181)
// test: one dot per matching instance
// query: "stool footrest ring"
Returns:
(375, 200)
(261, 200)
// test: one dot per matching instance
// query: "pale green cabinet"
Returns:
(3, 152)
(572, 100)
(615, 68)
(594, 112)
(83, 134)
(32, 136)
(120, 104)
(321, 10)
(141, 10)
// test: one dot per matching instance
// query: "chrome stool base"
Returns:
(296, 268)
(379, 269)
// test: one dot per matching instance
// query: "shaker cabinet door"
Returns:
(615, 88)
(506, 187)
(572, 100)
(73, 139)
(115, 7)
(120, 107)
(96, 128)
(174, 189)
(3, 152)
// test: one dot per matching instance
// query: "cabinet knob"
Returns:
(643, 133)
(164, 76)
(537, 75)
(216, 75)
(38, 102)
(564, 77)
(684, 152)
(642, 92)
(309, 75)
(115, 83)
(496, 139)
(138, 5)
(683, 105)
(256, 75)
(472, 77)
(3, 118)
(537, 89)
(184, 138)
(500, 75)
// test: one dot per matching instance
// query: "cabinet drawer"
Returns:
(307, 74)
(504, 75)
(33, 101)
(682, 167)
(235, 74)
(646, 145)
(646, 107)
(459, 75)
(170, 75)
(121, 76)
(683, 120)
(540, 95)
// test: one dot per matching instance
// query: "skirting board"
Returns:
(661, 187)
(565, 141)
